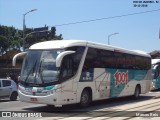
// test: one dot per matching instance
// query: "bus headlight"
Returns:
(54, 90)
(57, 90)
(154, 80)
(153, 84)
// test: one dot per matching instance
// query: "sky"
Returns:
(135, 32)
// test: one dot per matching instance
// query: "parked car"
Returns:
(8, 89)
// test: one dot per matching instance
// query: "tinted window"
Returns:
(67, 67)
(0, 83)
(6, 83)
(76, 58)
(71, 62)
(91, 60)
(97, 58)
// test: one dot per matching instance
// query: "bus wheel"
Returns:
(136, 92)
(85, 98)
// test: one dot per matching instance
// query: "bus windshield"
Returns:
(39, 67)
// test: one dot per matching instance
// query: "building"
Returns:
(6, 68)
(155, 54)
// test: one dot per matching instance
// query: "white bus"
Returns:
(73, 71)
(155, 74)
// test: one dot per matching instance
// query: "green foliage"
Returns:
(3, 44)
(12, 39)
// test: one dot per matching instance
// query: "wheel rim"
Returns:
(84, 98)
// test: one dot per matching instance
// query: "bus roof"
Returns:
(60, 44)
(155, 61)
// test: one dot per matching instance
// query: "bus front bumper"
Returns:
(52, 99)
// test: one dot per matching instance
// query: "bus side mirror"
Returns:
(60, 57)
(16, 56)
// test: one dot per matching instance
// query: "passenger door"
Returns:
(102, 83)
(66, 75)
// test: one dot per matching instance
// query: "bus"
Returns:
(75, 71)
(155, 74)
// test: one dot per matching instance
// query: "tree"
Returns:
(3, 44)
(58, 37)
(12, 39)
(9, 39)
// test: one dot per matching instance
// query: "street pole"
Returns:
(24, 26)
(110, 36)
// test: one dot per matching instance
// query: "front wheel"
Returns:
(85, 99)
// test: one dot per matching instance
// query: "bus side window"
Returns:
(67, 68)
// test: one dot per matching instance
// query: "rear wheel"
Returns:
(85, 98)
(137, 92)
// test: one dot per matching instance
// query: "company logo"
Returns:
(6, 114)
(121, 78)
(17, 114)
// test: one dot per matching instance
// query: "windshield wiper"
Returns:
(41, 70)
(33, 68)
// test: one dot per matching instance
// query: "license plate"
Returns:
(34, 99)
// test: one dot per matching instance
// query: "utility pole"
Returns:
(110, 36)
(24, 26)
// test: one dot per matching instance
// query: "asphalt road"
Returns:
(146, 107)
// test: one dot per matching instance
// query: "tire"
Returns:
(85, 99)
(136, 92)
(13, 96)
